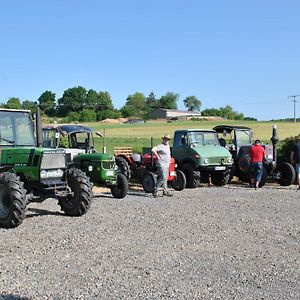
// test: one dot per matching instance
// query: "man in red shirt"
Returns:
(257, 155)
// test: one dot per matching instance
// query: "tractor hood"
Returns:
(94, 156)
(211, 151)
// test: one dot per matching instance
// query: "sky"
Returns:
(225, 52)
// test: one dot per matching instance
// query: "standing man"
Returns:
(295, 159)
(163, 154)
(257, 155)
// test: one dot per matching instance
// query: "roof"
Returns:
(15, 110)
(192, 130)
(70, 128)
(229, 128)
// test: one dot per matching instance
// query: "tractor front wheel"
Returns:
(220, 178)
(12, 200)
(179, 181)
(79, 202)
(287, 174)
(120, 190)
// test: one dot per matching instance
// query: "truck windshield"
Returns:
(16, 129)
(203, 138)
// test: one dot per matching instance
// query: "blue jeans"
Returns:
(256, 171)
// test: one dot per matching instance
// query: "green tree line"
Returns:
(80, 104)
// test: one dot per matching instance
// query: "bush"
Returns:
(107, 114)
(285, 147)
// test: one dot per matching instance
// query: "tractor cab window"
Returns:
(243, 137)
(16, 129)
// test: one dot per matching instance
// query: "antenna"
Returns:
(294, 100)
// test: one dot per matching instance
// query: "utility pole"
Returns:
(294, 100)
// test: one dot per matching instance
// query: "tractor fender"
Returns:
(5, 168)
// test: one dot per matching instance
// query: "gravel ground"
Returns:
(206, 243)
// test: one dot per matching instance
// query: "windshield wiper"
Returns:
(7, 140)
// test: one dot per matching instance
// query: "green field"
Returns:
(138, 136)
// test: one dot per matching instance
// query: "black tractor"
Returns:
(238, 140)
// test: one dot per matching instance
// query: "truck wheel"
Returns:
(179, 181)
(192, 176)
(149, 182)
(12, 200)
(287, 174)
(78, 203)
(120, 190)
(123, 166)
(220, 178)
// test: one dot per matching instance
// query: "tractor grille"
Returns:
(53, 160)
(108, 165)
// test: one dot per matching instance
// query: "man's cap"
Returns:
(166, 137)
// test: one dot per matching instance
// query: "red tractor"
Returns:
(142, 169)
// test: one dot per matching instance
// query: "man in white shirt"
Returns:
(163, 154)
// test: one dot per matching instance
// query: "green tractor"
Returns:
(30, 173)
(78, 142)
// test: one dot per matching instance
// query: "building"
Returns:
(163, 113)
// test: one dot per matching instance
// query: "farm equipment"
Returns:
(199, 156)
(239, 141)
(78, 142)
(32, 174)
(142, 169)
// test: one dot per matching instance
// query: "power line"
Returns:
(294, 100)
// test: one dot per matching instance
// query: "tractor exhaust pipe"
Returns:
(274, 140)
(38, 124)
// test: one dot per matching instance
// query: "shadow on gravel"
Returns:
(36, 212)
(13, 297)
(130, 193)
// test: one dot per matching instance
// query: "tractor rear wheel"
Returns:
(120, 190)
(179, 181)
(192, 176)
(78, 203)
(12, 200)
(287, 174)
(149, 182)
(123, 166)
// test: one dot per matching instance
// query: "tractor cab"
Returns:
(76, 139)
(235, 138)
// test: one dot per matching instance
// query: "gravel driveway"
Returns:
(206, 243)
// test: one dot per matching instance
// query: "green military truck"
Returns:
(199, 156)
(32, 174)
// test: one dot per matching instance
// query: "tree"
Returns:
(192, 103)
(169, 101)
(73, 99)
(104, 101)
(151, 101)
(29, 105)
(135, 105)
(13, 103)
(47, 103)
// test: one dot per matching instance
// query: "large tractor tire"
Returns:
(220, 178)
(287, 174)
(12, 200)
(149, 182)
(179, 181)
(120, 190)
(192, 176)
(123, 167)
(78, 203)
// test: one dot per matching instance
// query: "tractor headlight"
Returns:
(206, 160)
(56, 173)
